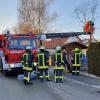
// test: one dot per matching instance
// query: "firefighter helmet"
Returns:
(80, 50)
(42, 47)
(28, 48)
(76, 49)
(58, 48)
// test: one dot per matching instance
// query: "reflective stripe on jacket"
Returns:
(27, 61)
(59, 61)
(76, 59)
(42, 61)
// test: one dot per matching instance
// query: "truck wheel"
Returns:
(1, 66)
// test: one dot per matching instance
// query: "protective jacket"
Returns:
(43, 59)
(27, 61)
(59, 63)
(76, 59)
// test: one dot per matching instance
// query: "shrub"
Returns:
(93, 54)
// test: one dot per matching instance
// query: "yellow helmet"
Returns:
(76, 49)
(80, 50)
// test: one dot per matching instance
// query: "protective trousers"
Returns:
(26, 77)
(75, 70)
(58, 75)
(44, 74)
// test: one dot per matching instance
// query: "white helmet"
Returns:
(42, 47)
(58, 48)
(28, 48)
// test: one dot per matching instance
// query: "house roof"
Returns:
(54, 42)
(75, 43)
(73, 39)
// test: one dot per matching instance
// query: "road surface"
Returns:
(13, 89)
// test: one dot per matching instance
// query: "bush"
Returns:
(93, 54)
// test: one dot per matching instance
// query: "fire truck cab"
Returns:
(12, 47)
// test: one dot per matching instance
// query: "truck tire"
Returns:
(1, 66)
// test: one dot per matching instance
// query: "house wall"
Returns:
(53, 43)
(73, 46)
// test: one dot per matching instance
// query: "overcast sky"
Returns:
(64, 23)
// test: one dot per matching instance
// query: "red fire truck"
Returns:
(12, 47)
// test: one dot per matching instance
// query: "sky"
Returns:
(65, 22)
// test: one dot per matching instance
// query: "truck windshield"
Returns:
(21, 43)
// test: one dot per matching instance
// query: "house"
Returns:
(53, 43)
(74, 42)
(69, 43)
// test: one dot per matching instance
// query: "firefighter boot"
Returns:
(60, 80)
(41, 80)
(78, 73)
(57, 80)
(73, 73)
(29, 83)
(25, 82)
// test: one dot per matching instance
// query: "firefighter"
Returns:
(43, 64)
(65, 59)
(59, 65)
(27, 62)
(76, 62)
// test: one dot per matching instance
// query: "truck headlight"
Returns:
(11, 65)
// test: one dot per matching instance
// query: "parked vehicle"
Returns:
(12, 47)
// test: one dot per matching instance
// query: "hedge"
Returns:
(93, 54)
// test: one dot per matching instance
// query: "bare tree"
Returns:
(86, 11)
(35, 14)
